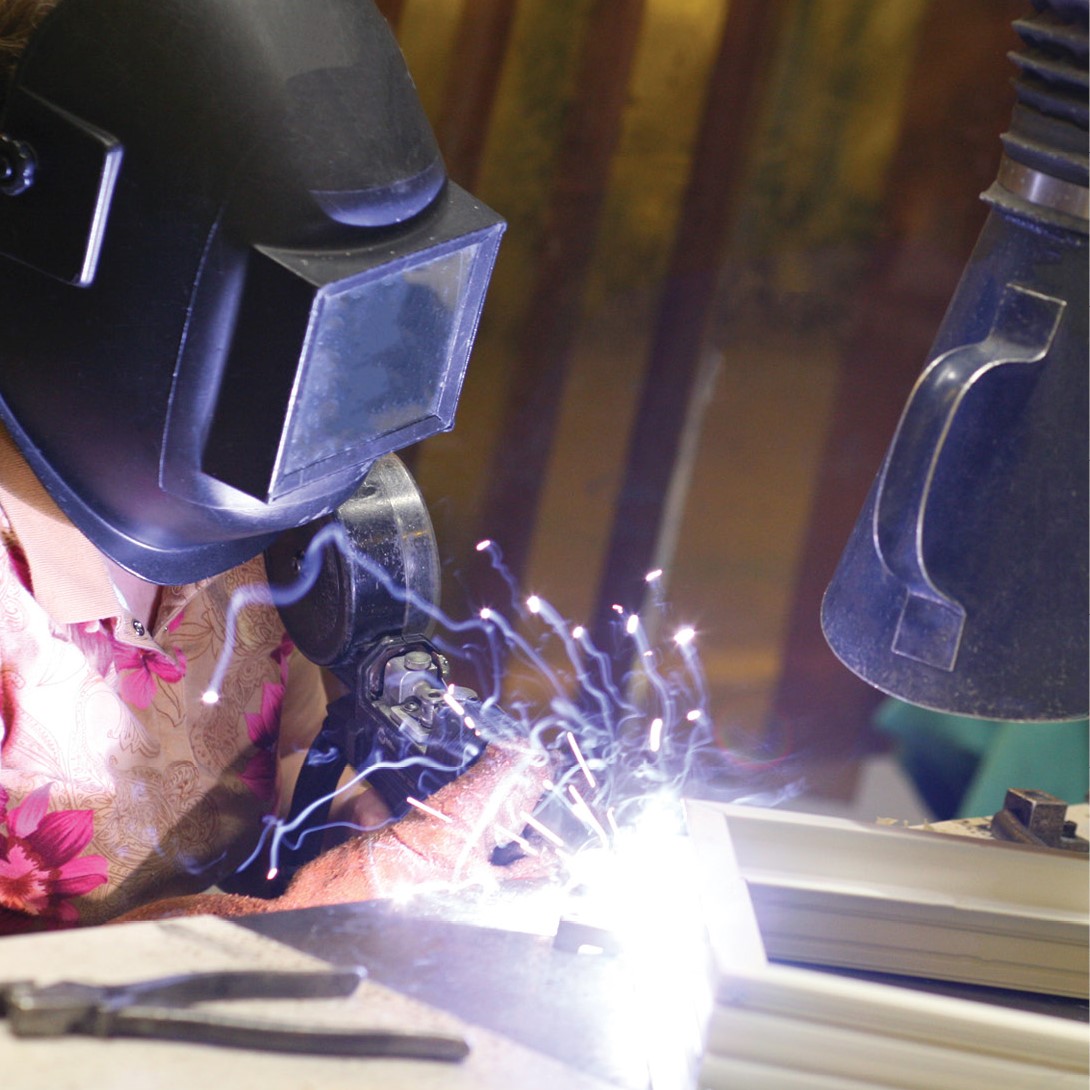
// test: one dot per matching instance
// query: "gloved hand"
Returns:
(453, 845)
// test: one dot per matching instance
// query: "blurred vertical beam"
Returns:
(679, 41)
(479, 49)
(516, 175)
(589, 139)
(391, 11)
(947, 153)
(426, 31)
(718, 163)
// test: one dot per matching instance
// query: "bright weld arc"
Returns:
(632, 625)
(533, 604)
(593, 783)
(653, 576)
(210, 697)
(423, 806)
(684, 636)
(485, 544)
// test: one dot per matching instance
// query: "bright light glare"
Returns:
(653, 576)
(684, 636)
(663, 937)
(578, 632)
(660, 819)
(533, 604)
(210, 697)
(482, 545)
(654, 735)
(632, 624)
(485, 614)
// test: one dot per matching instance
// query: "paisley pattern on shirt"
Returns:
(263, 727)
(170, 789)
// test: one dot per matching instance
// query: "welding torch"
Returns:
(357, 594)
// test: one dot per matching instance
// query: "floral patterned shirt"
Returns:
(119, 781)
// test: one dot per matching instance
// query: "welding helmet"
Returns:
(233, 271)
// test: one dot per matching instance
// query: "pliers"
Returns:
(157, 1009)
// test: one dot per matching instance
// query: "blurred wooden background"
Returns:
(733, 228)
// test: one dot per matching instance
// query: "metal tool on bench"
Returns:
(160, 1009)
(1036, 818)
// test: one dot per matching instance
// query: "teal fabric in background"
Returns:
(963, 767)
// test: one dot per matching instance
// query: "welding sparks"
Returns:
(506, 836)
(654, 735)
(578, 754)
(586, 815)
(453, 702)
(621, 733)
(544, 830)
(429, 810)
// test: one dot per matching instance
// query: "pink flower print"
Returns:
(138, 667)
(19, 565)
(41, 868)
(281, 654)
(263, 728)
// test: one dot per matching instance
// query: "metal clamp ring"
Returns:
(1043, 189)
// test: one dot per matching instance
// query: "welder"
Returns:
(233, 277)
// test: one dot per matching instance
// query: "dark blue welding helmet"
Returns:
(233, 272)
